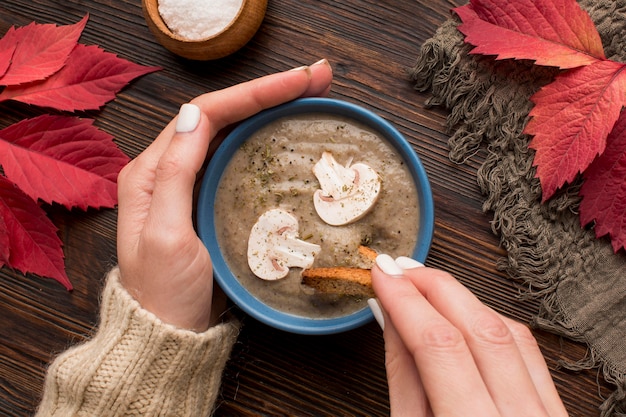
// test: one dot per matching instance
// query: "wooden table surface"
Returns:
(370, 44)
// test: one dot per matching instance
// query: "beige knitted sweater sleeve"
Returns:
(136, 365)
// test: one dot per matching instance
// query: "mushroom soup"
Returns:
(274, 169)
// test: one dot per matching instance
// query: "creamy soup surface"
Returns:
(274, 169)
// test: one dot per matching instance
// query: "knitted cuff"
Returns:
(137, 365)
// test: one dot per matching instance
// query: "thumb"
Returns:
(176, 170)
(406, 392)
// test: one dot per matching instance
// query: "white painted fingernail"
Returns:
(388, 265)
(377, 311)
(188, 118)
(405, 262)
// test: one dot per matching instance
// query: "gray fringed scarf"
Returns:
(581, 281)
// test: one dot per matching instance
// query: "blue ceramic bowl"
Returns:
(205, 214)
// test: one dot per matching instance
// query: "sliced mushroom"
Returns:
(347, 193)
(274, 247)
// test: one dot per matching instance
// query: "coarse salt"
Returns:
(198, 19)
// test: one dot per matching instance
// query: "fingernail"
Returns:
(388, 265)
(324, 61)
(304, 67)
(405, 262)
(377, 311)
(188, 118)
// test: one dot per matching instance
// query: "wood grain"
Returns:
(370, 44)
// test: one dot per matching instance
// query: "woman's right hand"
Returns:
(447, 354)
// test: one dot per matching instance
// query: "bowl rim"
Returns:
(212, 177)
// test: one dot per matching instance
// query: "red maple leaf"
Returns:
(33, 245)
(90, 78)
(553, 33)
(571, 120)
(575, 113)
(55, 159)
(4, 243)
(62, 159)
(604, 189)
(8, 45)
(40, 51)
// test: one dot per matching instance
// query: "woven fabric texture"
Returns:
(581, 282)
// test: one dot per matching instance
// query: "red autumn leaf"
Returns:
(62, 159)
(4, 243)
(90, 78)
(7, 48)
(53, 158)
(41, 50)
(552, 33)
(34, 245)
(571, 119)
(604, 189)
(577, 121)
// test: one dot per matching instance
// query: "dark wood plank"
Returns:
(370, 44)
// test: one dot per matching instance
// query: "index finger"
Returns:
(498, 346)
(241, 101)
(236, 103)
(223, 108)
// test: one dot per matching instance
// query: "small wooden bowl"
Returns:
(231, 39)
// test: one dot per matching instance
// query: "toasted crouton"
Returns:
(340, 280)
(368, 255)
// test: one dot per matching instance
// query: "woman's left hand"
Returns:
(163, 263)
